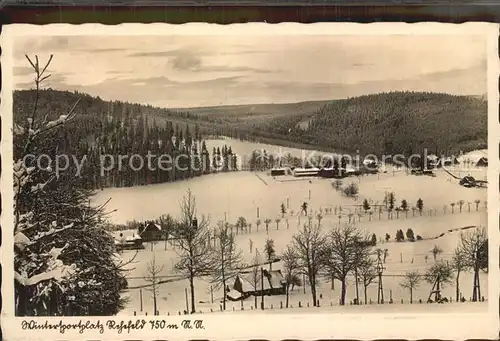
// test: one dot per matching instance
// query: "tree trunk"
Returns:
(457, 287)
(255, 302)
(411, 295)
(287, 294)
(478, 287)
(312, 282)
(333, 282)
(356, 284)
(224, 295)
(191, 287)
(154, 302)
(366, 296)
(342, 291)
(438, 289)
(476, 293)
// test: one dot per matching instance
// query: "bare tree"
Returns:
(344, 251)
(152, 276)
(436, 250)
(167, 224)
(277, 221)
(270, 252)
(193, 250)
(367, 272)
(255, 277)
(458, 263)
(225, 259)
(473, 247)
(290, 269)
(307, 244)
(241, 224)
(319, 217)
(438, 275)
(411, 281)
(477, 202)
(267, 222)
(460, 204)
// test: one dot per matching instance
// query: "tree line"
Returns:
(113, 139)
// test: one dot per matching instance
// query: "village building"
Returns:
(329, 172)
(127, 240)
(432, 161)
(482, 162)
(249, 284)
(278, 171)
(477, 158)
(299, 172)
(152, 231)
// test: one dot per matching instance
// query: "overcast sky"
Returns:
(190, 71)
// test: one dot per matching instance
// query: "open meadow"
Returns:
(259, 196)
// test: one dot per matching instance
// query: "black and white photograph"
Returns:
(173, 176)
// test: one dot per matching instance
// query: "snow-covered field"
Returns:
(231, 195)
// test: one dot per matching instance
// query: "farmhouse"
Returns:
(482, 162)
(432, 161)
(478, 158)
(329, 172)
(152, 231)
(370, 163)
(250, 284)
(128, 240)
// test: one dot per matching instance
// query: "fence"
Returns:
(307, 304)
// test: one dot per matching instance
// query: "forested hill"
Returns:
(118, 129)
(397, 122)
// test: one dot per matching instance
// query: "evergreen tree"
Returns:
(400, 236)
(410, 235)
(420, 205)
(55, 230)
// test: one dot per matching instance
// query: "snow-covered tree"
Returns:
(473, 248)
(345, 250)
(152, 276)
(65, 260)
(270, 252)
(225, 259)
(307, 244)
(193, 250)
(290, 269)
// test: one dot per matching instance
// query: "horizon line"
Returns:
(485, 95)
